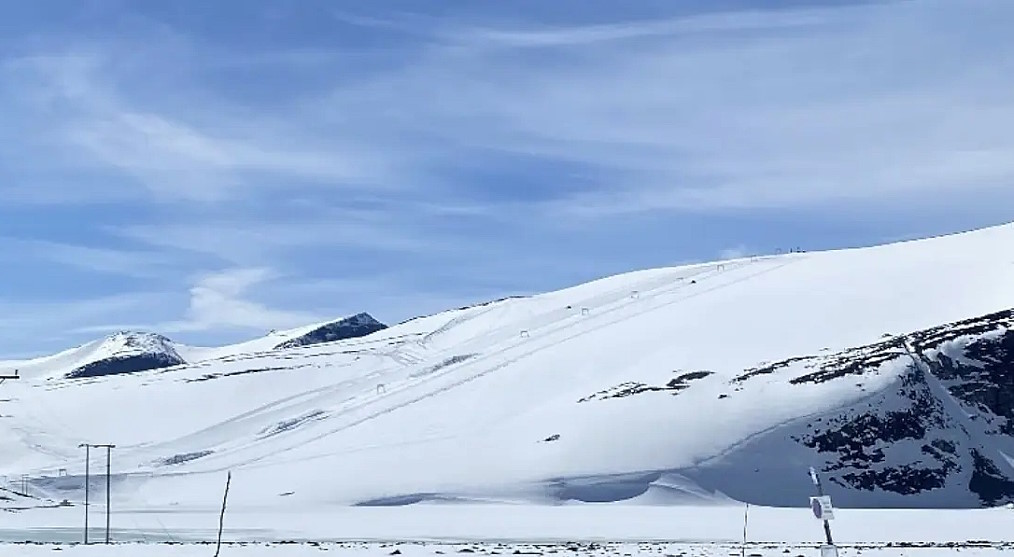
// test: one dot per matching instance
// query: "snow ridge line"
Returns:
(619, 298)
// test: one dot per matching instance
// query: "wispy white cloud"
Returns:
(484, 151)
(127, 262)
(245, 241)
(776, 108)
(201, 154)
(665, 28)
(220, 301)
(859, 105)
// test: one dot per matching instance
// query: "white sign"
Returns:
(821, 507)
(828, 551)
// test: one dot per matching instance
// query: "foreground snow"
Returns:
(521, 524)
(479, 549)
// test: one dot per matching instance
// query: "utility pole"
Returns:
(108, 448)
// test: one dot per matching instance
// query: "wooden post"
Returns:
(221, 517)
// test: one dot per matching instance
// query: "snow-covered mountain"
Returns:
(128, 352)
(359, 325)
(889, 368)
(134, 351)
(123, 352)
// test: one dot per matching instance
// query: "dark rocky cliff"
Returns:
(358, 325)
(130, 352)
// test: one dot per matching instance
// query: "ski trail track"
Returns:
(494, 359)
(403, 358)
(221, 432)
(565, 315)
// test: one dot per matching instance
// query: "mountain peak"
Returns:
(137, 338)
(358, 325)
(128, 352)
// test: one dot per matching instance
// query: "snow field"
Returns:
(459, 406)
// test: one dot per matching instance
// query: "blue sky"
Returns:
(213, 170)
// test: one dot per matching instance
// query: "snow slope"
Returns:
(516, 524)
(700, 383)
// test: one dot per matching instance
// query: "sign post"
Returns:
(822, 510)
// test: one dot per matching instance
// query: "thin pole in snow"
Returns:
(221, 517)
(109, 450)
(88, 454)
(746, 518)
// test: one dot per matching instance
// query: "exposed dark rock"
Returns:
(358, 325)
(446, 362)
(182, 458)
(674, 387)
(131, 352)
(934, 337)
(769, 368)
(982, 377)
(904, 479)
(872, 447)
(683, 381)
(853, 361)
(945, 446)
(622, 390)
(862, 442)
(129, 364)
(991, 485)
(293, 423)
(210, 376)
